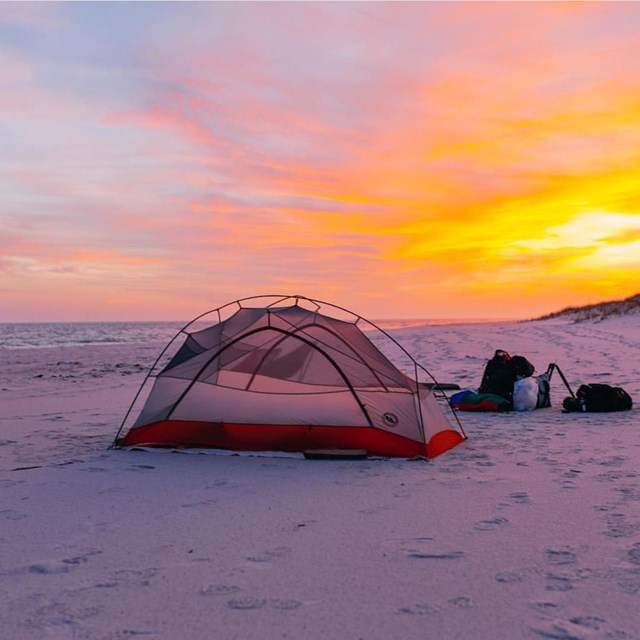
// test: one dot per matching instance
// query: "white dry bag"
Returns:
(525, 394)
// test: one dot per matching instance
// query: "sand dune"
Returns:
(629, 306)
(530, 529)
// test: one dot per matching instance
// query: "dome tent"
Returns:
(288, 373)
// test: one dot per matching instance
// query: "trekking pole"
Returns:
(553, 366)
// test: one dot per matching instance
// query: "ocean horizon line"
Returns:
(183, 322)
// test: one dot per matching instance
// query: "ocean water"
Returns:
(60, 334)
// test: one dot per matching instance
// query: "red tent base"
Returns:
(291, 438)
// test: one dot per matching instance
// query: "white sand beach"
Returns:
(529, 529)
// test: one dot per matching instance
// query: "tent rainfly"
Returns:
(288, 373)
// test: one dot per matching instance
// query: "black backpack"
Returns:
(597, 397)
(501, 372)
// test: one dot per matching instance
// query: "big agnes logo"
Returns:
(391, 419)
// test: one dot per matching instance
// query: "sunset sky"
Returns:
(404, 160)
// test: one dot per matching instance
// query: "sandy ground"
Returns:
(530, 529)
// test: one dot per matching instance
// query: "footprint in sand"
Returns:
(629, 493)
(612, 461)
(423, 555)
(454, 467)
(544, 606)
(268, 556)
(576, 628)
(490, 525)
(618, 527)
(633, 554)
(219, 590)
(558, 583)
(82, 558)
(462, 602)
(516, 575)
(517, 497)
(509, 577)
(47, 569)
(424, 609)
(246, 604)
(520, 497)
(566, 484)
(426, 548)
(221, 484)
(561, 556)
